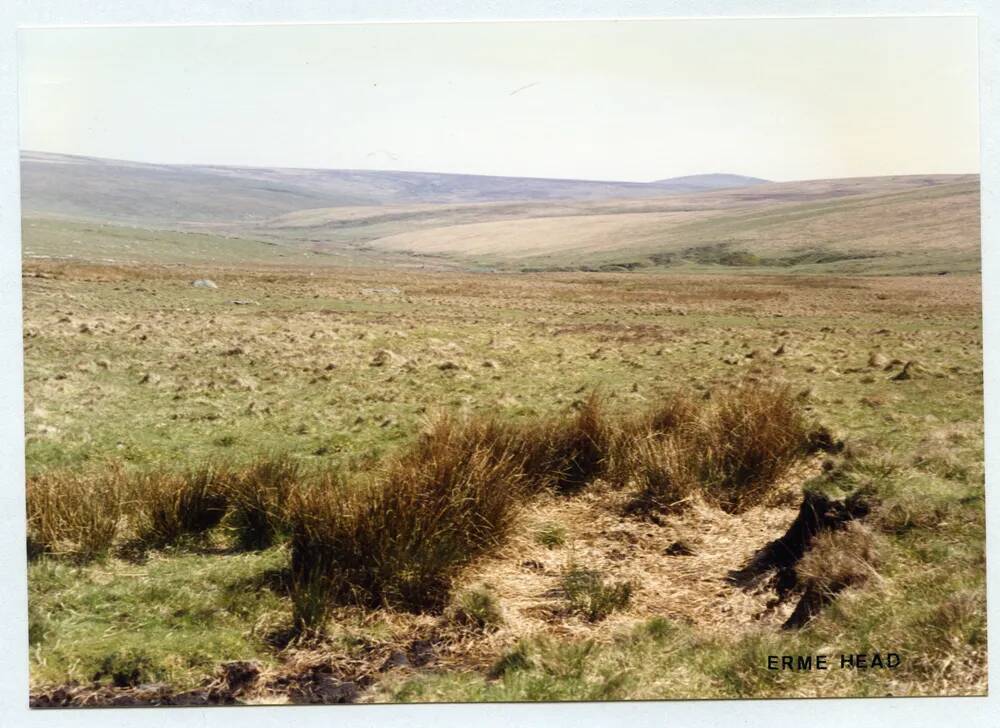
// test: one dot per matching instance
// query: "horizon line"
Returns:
(763, 180)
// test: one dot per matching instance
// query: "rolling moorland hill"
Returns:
(111, 211)
(165, 194)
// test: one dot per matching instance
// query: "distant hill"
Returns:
(115, 211)
(174, 194)
(705, 182)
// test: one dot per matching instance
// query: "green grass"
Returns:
(179, 615)
(553, 338)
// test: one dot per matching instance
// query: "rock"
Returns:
(447, 365)
(204, 283)
(491, 364)
(779, 351)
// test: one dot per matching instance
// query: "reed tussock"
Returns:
(399, 534)
(399, 538)
(731, 450)
(566, 454)
(750, 437)
(171, 505)
(258, 498)
(75, 515)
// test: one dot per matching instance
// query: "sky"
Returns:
(783, 99)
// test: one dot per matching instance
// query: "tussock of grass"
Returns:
(76, 515)
(567, 454)
(400, 538)
(517, 658)
(590, 595)
(126, 667)
(477, 608)
(400, 534)
(751, 436)
(176, 505)
(258, 497)
(551, 535)
(661, 473)
(731, 451)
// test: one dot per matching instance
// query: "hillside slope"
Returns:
(170, 195)
(892, 224)
(120, 211)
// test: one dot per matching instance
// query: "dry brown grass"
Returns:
(839, 559)
(170, 506)
(750, 437)
(731, 451)
(566, 454)
(258, 498)
(400, 537)
(75, 515)
(400, 534)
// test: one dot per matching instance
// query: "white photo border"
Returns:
(816, 712)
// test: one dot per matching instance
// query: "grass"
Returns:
(636, 338)
(478, 608)
(258, 499)
(731, 451)
(588, 593)
(174, 617)
(401, 538)
(551, 535)
(170, 506)
(399, 535)
(77, 515)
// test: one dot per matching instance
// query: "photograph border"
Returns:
(968, 711)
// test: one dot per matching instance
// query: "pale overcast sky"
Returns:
(627, 100)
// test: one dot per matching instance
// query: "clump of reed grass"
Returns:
(661, 471)
(477, 608)
(566, 454)
(750, 437)
(730, 451)
(400, 537)
(171, 505)
(75, 515)
(257, 498)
